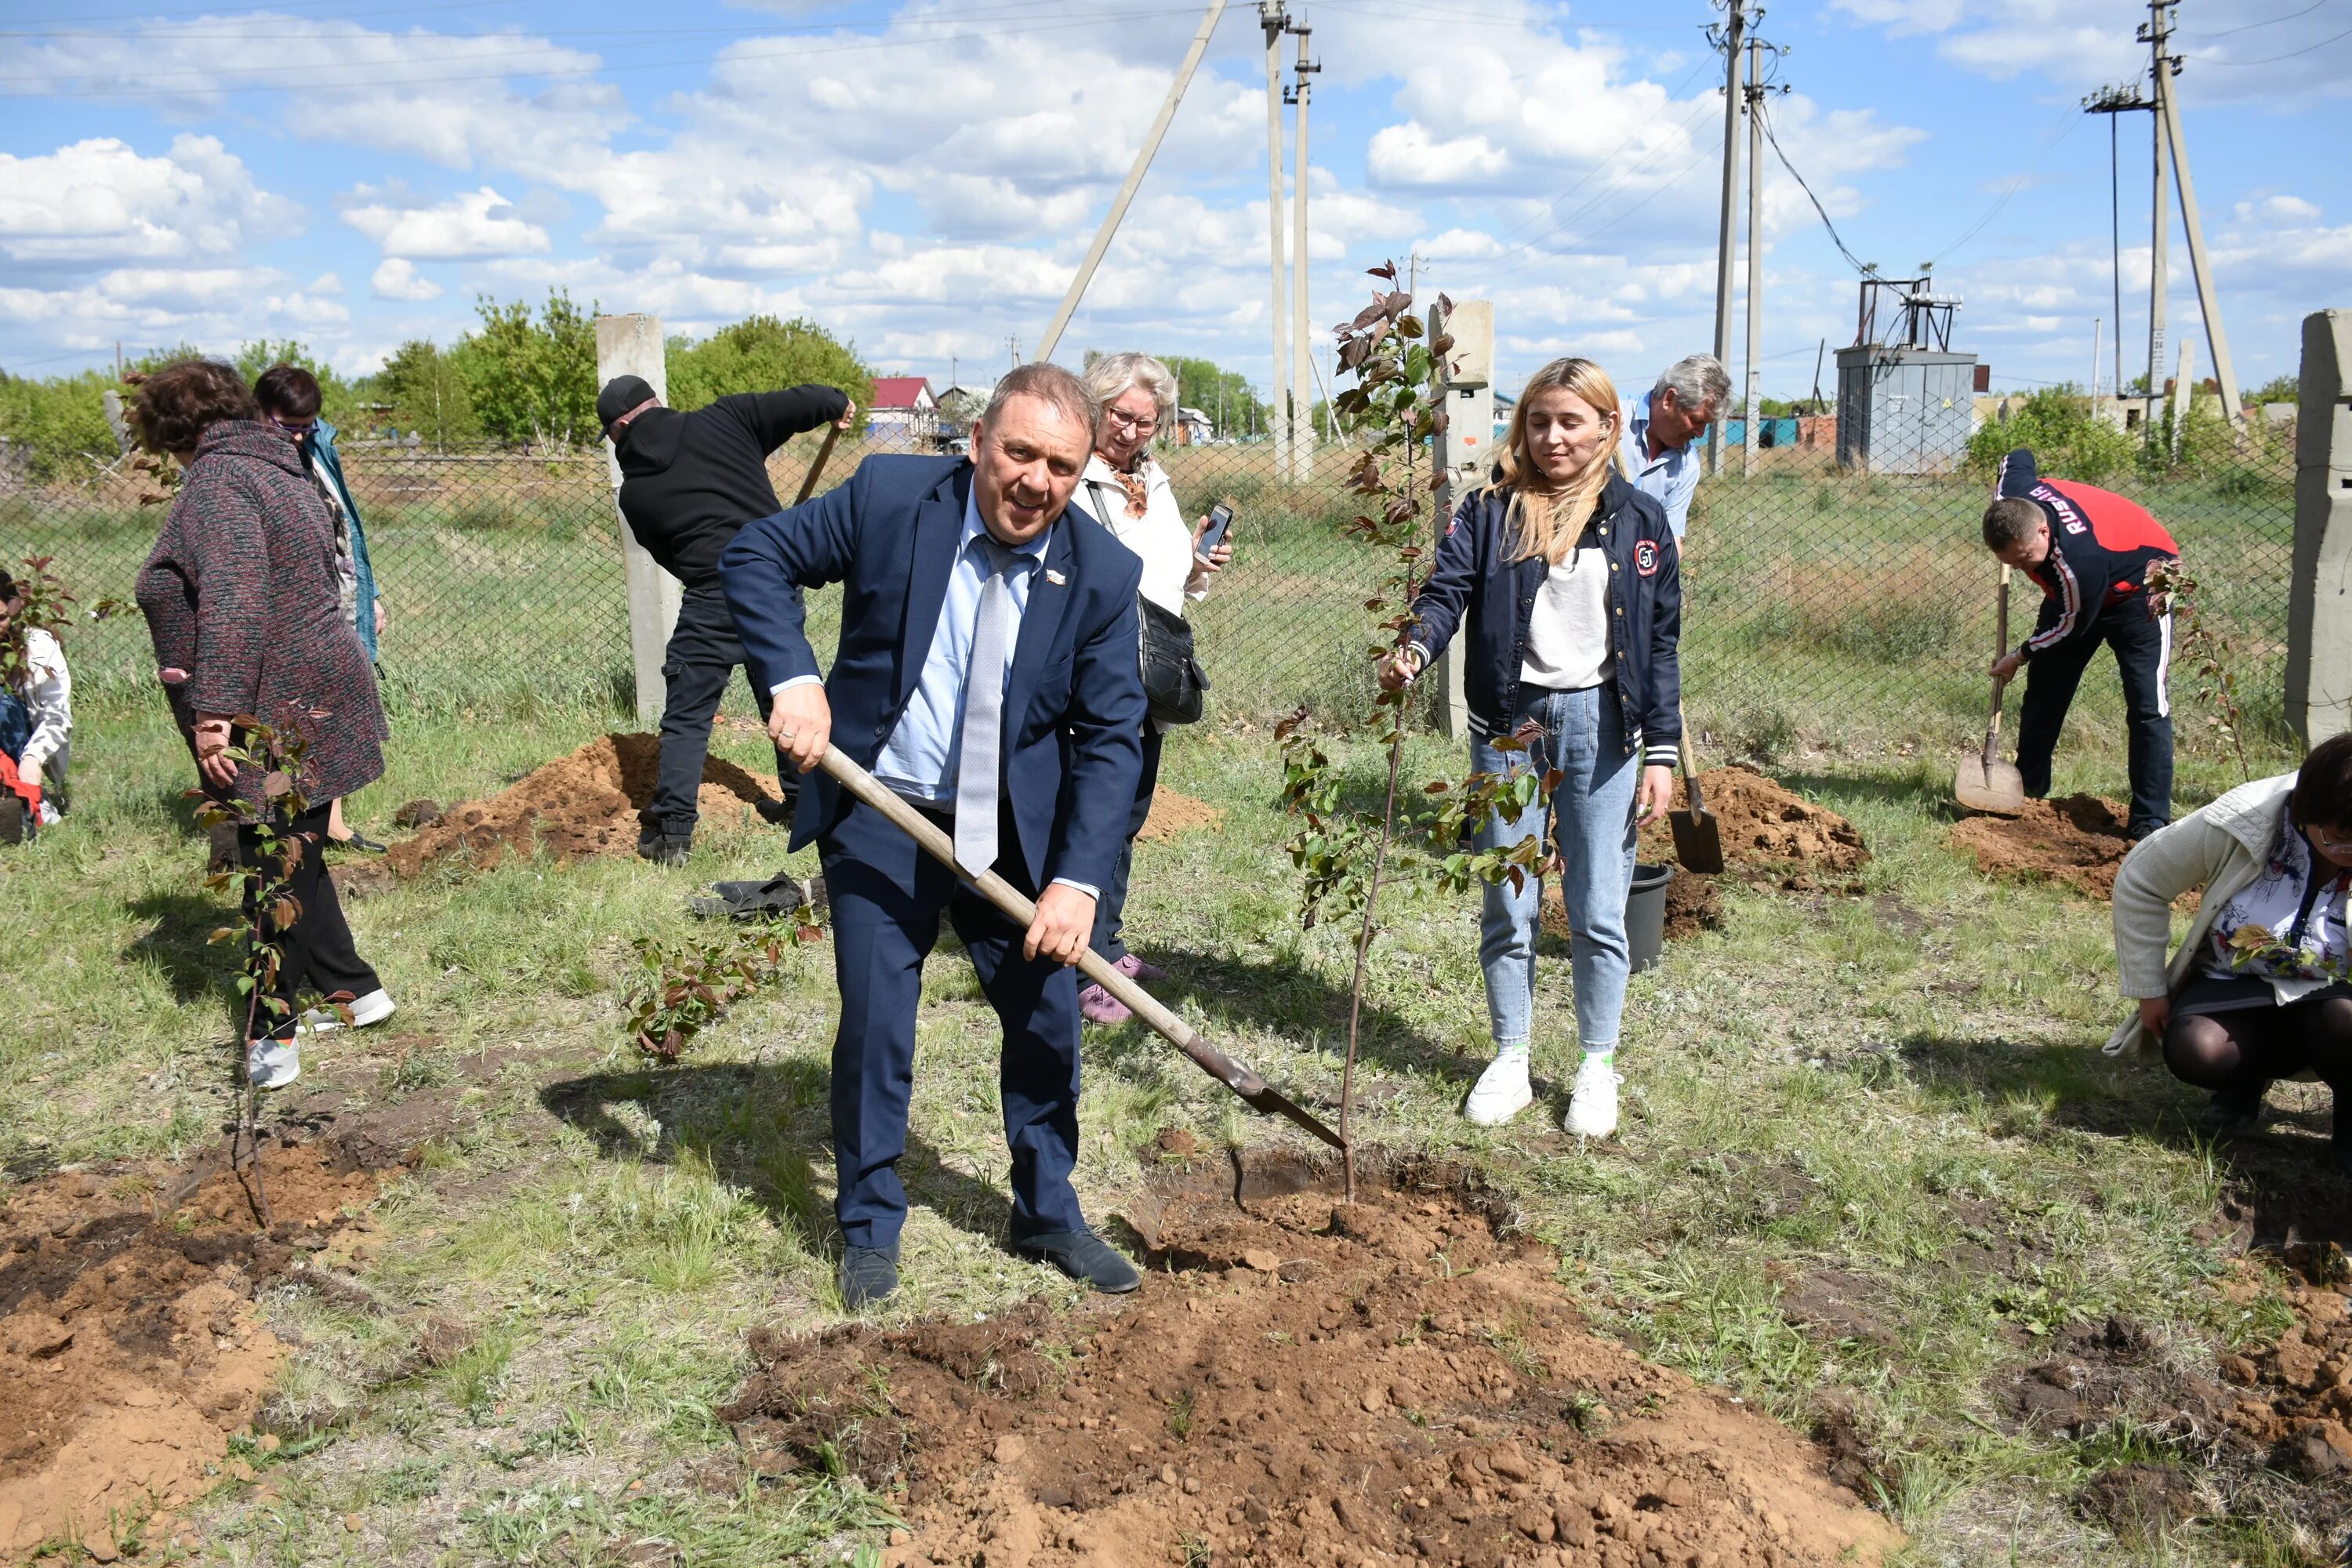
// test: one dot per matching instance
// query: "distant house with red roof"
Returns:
(905, 413)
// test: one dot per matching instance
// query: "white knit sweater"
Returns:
(2219, 850)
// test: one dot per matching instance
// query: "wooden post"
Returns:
(2319, 601)
(632, 345)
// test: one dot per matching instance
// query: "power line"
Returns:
(2050, 139)
(1766, 121)
(2271, 22)
(2274, 59)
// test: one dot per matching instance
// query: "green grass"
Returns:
(1872, 1085)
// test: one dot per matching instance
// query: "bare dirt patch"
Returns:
(1301, 1380)
(576, 807)
(1174, 812)
(2077, 839)
(129, 1347)
(1766, 825)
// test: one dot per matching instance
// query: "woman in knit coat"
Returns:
(242, 601)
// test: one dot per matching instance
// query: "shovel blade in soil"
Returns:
(1994, 788)
(1698, 842)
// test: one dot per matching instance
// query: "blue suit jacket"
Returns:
(1074, 712)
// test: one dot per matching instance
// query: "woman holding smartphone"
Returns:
(1128, 493)
(1569, 584)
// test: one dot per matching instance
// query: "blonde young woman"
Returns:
(1571, 587)
(1129, 494)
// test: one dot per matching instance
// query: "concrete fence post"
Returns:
(1465, 449)
(632, 345)
(2319, 603)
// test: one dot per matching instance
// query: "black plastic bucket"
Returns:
(1645, 915)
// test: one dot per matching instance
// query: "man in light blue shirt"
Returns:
(1662, 430)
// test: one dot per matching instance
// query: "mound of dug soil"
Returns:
(1694, 904)
(1174, 812)
(2077, 839)
(1301, 1380)
(128, 1349)
(574, 808)
(1765, 825)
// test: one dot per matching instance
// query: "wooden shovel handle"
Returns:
(1021, 911)
(816, 467)
(2000, 635)
(1690, 765)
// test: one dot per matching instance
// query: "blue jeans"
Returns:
(1590, 818)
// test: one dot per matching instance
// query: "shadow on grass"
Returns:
(2290, 1196)
(1280, 995)
(765, 1126)
(176, 944)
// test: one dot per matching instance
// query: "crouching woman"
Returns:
(2262, 988)
(1564, 581)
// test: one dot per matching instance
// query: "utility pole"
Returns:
(1012, 353)
(2114, 100)
(2167, 108)
(1755, 245)
(2097, 323)
(1730, 37)
(1273, 19)
(1302, 374)
(1134, 178)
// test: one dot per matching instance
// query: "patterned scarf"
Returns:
(1137, 486)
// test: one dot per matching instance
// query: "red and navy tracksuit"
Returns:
(2094, 590)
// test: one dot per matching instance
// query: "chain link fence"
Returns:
(1824, 605)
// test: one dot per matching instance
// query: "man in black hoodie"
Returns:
(689, 481)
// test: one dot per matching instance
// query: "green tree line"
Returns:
(520, 377)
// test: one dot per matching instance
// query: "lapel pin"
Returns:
(1055, 578)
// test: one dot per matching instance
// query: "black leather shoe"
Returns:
(358, 843)
(868, 1276)
(1082, 1255)
(2232, 1112)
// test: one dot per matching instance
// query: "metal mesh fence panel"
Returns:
(1849, 608)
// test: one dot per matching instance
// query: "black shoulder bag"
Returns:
(1173, 682)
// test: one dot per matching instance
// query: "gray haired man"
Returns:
(1662, 427)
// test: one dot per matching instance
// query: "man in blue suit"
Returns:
(987, 675)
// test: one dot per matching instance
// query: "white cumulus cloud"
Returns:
(397, 279)
(476, 223)
(102, 201)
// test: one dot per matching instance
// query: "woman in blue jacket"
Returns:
(1572, 591)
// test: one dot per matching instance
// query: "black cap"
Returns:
(621, 393)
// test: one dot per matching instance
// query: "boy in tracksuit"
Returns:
(689, 481)
(2090, 549)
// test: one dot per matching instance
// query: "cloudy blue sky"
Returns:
(923, 177)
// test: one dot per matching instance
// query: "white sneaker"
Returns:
(1593, 1104)
(272, 1064)
(373, 1008)
(1502, 1091)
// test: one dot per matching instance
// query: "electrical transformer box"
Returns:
(1903, 410)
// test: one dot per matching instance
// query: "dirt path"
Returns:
(1302, 1381)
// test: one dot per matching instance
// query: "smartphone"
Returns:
(1221, 518)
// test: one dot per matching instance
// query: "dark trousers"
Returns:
(315, 950)
(1109, 937)
(886, 899)
(2143, 648)
(2244, 1050)
(702, 655)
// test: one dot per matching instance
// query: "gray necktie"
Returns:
(983, 716)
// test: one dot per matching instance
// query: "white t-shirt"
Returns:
(1568, 635)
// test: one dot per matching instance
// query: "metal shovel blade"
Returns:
(1699, 841)
(1992, 787)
